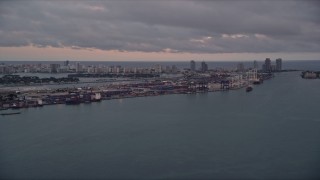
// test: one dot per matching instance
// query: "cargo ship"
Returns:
(73, 100)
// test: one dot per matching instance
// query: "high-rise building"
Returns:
(267, 64)
(158, 68)
(118, 69)
(90, 69)
(204, 66)
(2, 67)
(66, 63)
(255, 64)
(168, 69)
(278, 64)
(240, 67)
(174, 69)
(192, 65)
(54, 68)
(78, 67)
(263, 67)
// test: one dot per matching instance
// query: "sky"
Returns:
(159, 30)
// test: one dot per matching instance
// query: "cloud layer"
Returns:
(197, 26)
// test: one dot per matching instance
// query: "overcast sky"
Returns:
(159, 29)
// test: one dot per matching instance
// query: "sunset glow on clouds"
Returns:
(159, 30)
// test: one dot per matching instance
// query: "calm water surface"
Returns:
(272, 132)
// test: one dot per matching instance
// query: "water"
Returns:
(269, 133)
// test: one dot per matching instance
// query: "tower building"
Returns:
(192, 65)
(267, 64)
(278, 64)
(204, 66)
(255, 64)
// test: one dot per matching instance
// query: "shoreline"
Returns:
(119, 97)
(61, 98)
(120, 89)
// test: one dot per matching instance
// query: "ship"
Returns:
(249, 88)
(73, 100)
(15, 106)
(257, 81)
(39, 103)
(96, 97)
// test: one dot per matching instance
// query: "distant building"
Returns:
(278, 64)
(267, 65)
(204, 66)
(168, 69)
(174, 69)
(263, 68)
(2, 68)
(78, 67)
(54, 68)
(90, 69)
(118, 69)
(66, 63)
(158, 68)
(192, 65)
(240, 67)
(255, 64)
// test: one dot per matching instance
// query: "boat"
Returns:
(249, 88)
(15, 106)
(72, 101)
(256, 82)
(39, 103)
(12, 113)
(96, 97)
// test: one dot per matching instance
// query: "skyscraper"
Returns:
(267, 64)
(66, 63)
(54, 68)
(192, 65)
(174, 69)
(78, 67)
(204, 66)
(240, 67)
(255, 64)
(278, 64)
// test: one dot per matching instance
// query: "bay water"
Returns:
(272, 132)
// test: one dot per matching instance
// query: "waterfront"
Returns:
(271, 132)
(287, 64)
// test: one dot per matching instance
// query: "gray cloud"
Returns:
(155, 26)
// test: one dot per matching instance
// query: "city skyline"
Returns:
(159, 30)
(159, 89)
